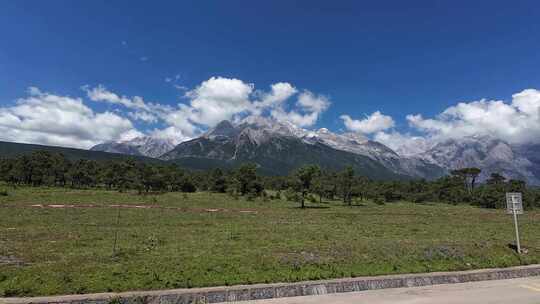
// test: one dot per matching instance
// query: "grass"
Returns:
(45, 251)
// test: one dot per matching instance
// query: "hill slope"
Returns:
(10, 149)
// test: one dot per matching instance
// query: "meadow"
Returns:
(61, 241)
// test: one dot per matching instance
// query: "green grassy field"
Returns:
(45, 251)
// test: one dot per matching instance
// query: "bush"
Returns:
(312, 198)
(379, 200)
(188, 186)
(420, 198)
(292, 196)
(3, 193)
(231, 191)
(251, 196)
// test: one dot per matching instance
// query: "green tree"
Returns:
(469, 176)
(346, 178)
(305, 176)
(248, 182)
(218, 182)
(495, 179)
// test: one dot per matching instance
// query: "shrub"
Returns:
(379, 200)
(312, 198)
(421, 197)
(188, 186)
(251, 196)
(292, 196)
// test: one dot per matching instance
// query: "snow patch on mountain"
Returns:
(143, 146)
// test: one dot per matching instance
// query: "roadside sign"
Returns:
(514, 206)
(514, 203)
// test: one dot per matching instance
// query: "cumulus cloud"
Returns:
(176, 135)
(404, 144)
(217, 99)
(515, 122)
(143, 116)
(50, 119)
(102, 94)
(279, 93)
(309, 108)
(373, 123)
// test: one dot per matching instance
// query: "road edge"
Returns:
(280, 290)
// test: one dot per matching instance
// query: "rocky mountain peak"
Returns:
(141, 146)
(223, 129)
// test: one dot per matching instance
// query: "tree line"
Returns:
(309, 183)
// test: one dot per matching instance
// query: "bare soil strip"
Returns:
(180, 209)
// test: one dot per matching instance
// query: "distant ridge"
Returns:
(11, 149)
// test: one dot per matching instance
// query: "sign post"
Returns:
(514, 206)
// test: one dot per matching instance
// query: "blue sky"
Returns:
(396, 57)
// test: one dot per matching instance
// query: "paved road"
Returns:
(514, 291)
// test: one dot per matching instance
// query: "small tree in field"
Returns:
(318, 186)
(469, 175)
(305, 176)
(346, 180)
(246, 176)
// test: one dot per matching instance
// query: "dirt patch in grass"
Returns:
(11, 260)
(127, 206)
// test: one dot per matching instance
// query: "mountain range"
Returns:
(279, 147)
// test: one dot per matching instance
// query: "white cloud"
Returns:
(373, 123)
(180, 87)
(403, 144)
(143, 116)
(102, 94)
(298, 119)
(215, 100)
(219, 98)
(516, 122)
(50, 119)
(279, 93)
(175, 134)
(309, 108)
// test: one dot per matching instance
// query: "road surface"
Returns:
(514, 291)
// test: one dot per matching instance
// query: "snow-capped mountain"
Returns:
(358, 144)
(281, 146)
(488, 153)
(142, 146)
